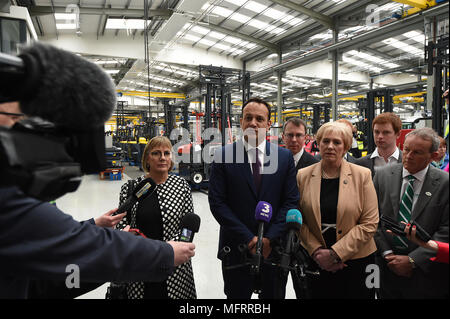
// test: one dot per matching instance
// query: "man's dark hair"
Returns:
(297, 122)
(256, 100)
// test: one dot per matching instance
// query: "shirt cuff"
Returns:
(387, 252)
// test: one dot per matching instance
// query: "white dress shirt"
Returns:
(298, 156)
(379, 160)
(417, 185)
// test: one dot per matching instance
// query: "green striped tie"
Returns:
(404, 214)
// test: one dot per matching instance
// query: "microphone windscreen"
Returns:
(294, 219)
(263, 211)
(191, 222)
(70, 92)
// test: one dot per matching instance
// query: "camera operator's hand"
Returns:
(182, 251)
(107, 220)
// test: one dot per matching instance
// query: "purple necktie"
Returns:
(256, 167)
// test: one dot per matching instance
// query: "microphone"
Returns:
(58, 86)
(140, 192)
(263, 214)
(190, 225)
(293, 224)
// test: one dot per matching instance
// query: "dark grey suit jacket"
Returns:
(306, 160)
(368, 162)
(430, 279)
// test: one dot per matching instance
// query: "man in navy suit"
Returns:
(242, 174)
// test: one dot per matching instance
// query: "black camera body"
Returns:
(46, 162)
(67, 99)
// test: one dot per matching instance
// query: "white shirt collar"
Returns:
(261, 147)
(298, 156)
(420, 175)
(395, 155)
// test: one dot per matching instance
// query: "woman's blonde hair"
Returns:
(155, 142)
(336, 127)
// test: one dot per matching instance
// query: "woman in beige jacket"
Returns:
(340, 217)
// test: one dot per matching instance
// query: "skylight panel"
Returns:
(200, 30)
(240, 17)
(237, 2)
(373, 59)
(232, 40)
(216, 35)
(221, 46)
(295, 21)
(206, 42)
(237, 52)
(274, 14)
(191, 37)
(403, 46)
(221, 11)
(258, 24)
(255, 6)
(416, 36)
(278, 30)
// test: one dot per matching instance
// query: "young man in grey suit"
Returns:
(413, 191)
(386, 129)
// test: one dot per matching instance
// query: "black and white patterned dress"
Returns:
(175, 201)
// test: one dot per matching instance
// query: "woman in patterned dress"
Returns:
(159, 217)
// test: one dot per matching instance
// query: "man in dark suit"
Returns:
(413, 191)
(242, 174)
(386, 129)
(294, 134)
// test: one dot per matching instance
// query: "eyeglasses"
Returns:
(292, 135)
(16, 116)
(159, 154)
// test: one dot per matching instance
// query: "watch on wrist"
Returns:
(411, 261)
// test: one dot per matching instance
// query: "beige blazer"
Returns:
(357, 211)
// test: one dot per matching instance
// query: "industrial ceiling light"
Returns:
(135, 24)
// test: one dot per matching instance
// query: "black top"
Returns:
(329, 192)
(148, 217)
(149, 221)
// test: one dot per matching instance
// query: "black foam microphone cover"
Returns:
(61, 87)
(190, 224)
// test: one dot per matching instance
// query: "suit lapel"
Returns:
(244, 168)
(344, 190)
(265, 178)
(429, 187)
(396, 181)
(316, 178)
